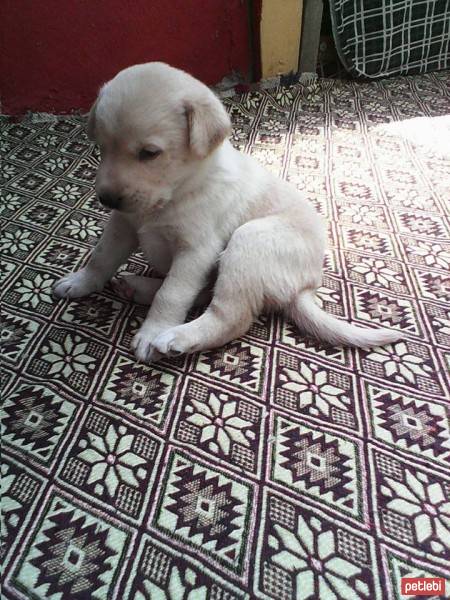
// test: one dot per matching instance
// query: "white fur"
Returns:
(200, 205)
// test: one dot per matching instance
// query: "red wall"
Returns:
(56, 53)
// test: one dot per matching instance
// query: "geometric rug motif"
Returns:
(220, 425)
(112, 463)
(309, 388)
(206, 510)
(34, 420)
(71, 555)
(139, 389)
(238, 363)
(323, 466)
(20, 491)
(413, 508)
(410, 364)
(161, 574)
(410, 423)
(276, 467)
(15, 335)
(303, 555)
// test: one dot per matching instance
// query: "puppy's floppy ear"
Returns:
(208, 124)
(90, 128)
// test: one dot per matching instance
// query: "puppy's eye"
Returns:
(146, 154)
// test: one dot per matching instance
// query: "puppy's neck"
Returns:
(206, 171)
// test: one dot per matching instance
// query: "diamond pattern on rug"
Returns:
(277, 466)
(35, 420)
(206, 510)
(317, 464)
(410, 423)
(15, 335)
(72, 555)
(142, 390)
(238, 363)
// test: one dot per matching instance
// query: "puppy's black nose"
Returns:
(110, 200)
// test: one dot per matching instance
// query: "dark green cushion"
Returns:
(392, 37)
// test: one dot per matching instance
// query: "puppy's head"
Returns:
(153, 124)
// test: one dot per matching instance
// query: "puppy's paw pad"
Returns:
(76, 285)
(122, 288)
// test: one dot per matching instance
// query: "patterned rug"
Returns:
(272, 468)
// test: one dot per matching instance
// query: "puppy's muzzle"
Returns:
(110, 201)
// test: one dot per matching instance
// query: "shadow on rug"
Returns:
(274, 467)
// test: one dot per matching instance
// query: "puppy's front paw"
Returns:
(144, 349)
(174, 342)
(76, 285)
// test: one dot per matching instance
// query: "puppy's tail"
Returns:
(311, 318)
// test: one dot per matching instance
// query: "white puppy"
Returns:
(180, 191)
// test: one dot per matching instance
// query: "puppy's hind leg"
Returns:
(238, 298)
(226, 318)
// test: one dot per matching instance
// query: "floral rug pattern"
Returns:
(273, 468)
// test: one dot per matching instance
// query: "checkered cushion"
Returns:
(386, 37)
